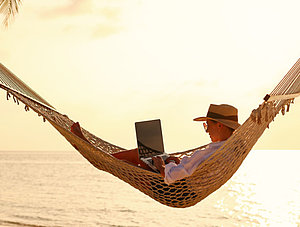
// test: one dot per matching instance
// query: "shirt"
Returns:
(188, 165)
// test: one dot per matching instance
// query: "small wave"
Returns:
(112, 225)
(16, 223)
(126, 211)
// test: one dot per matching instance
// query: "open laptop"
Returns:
(150, 141)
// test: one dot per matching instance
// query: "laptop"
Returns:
(150, 141)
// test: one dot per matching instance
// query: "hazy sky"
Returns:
(110, 63)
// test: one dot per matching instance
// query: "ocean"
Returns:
(42, 188)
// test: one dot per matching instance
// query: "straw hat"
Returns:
(225, 114)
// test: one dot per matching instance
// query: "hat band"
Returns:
(219, 116)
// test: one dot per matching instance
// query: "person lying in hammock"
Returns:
(221, 122)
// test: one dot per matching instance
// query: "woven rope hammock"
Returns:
(209, 176)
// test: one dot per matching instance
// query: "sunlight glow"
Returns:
(113, 62)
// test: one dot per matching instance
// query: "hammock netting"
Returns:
(209, 176)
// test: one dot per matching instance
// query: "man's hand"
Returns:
(159, 164)
(173, 159)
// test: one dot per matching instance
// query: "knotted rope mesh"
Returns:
(209, 176)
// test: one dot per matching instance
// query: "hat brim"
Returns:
(229, 123)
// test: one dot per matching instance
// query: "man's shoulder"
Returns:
(214, 145)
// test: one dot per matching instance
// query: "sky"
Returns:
(108, 64)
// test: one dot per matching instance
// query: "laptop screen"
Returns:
(149, 138)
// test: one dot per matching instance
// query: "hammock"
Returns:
(208, 177)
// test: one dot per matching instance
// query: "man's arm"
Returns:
(159, 164)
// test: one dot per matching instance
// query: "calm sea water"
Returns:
(63, 189)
